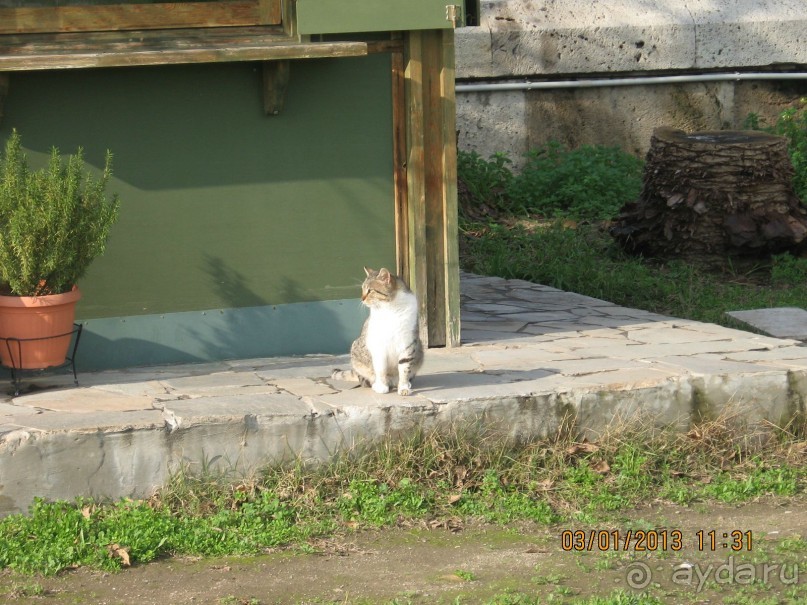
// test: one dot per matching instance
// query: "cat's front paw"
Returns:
(404, 388)
(380, 387)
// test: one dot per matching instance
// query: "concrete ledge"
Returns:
(534, 359)
(519, 39)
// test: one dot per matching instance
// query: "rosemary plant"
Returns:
(53, 221)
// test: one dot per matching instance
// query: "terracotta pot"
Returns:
(40, 317)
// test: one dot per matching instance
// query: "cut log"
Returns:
(713, 195)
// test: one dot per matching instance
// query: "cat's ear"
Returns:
(368, 271)
(384, 276)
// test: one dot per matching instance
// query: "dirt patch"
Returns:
(480, 563)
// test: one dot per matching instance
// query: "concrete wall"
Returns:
(519, 40)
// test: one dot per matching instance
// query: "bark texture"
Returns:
(712, 195)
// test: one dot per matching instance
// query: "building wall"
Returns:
(516, 121)
(519, 40)
(240, 234)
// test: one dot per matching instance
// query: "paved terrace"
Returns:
(533, 357)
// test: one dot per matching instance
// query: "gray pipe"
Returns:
(632, 81)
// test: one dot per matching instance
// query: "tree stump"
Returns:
(712, 195)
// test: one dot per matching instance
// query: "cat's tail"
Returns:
(350, 376)
(346, 375)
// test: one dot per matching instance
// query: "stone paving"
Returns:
(781, 322)
(534, 359)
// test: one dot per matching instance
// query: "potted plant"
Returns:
(53, 223)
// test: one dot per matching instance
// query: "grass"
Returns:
(584, 259)
(617, 597)
(436, 478)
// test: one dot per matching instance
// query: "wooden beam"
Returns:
(114, 17)
(433, 166)
(275, 86)
(107, 49)
(385, 46)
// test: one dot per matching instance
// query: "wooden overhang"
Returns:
(417, 33)
(31, 52)
(119, 35)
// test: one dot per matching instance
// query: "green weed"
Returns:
(548, 579)
(514, 599)
(590, 182)
(486, 181)
(378, 504)
(792, 124)
(496, 503)
(233, 600)
(21, 590)
(467, 576)
(728, 487)
(621, 598)
(795, 544)
(615, 598)
(788, 270)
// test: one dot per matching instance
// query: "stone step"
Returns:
(533, 360)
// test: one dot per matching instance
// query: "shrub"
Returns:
(591, 182)
(53, 222)
(791, 124)
(486, 181)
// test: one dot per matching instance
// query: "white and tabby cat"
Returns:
(388, 351)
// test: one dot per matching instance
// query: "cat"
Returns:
(388, 350)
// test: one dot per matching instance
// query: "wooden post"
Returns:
(275, 86)
(450, 258)
(431, 188)
(415, 177)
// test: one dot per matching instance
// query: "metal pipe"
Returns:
(632, 81)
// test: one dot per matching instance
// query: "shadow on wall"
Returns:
(259, 330)
(230, 283)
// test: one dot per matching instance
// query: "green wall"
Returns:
(224, 208)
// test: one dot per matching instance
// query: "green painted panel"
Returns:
(337, 16)
(325, 327)
(222, 206)
(197, 336)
